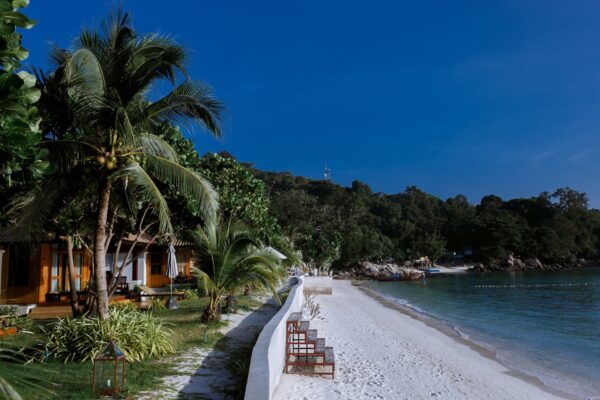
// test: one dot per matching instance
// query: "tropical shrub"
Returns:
(191, 294)
(21, 323)
(232, 257)
(156, 304)
(139, 334)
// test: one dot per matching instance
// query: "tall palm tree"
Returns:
(100, 124)
(231, 257)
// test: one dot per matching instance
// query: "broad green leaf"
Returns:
(6, 28)
(6, 6)
(13, 82)
(18, 19)
(28, 79)
(20, 3)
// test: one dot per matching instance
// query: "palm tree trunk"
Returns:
(212, 312)
(71, 266)
(100, 250)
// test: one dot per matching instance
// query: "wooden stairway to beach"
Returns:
(306, 353)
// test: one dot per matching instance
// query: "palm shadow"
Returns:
(223, 372)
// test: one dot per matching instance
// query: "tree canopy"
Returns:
(20, 158)
(345, 225)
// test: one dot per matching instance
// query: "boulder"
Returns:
(386, 271)
(534, 262)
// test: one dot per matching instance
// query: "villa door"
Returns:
(156, 272)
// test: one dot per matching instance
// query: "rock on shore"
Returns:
(370, 270)
(512, 263)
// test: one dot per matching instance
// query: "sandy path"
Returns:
(202, 373)
(382, 353)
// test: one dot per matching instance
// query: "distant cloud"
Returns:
(582, 155)
(538, 159)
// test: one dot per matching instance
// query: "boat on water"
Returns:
(413, 275)
(432, 271)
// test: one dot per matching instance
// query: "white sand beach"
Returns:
(382, 353)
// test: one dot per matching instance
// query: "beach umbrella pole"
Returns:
(171, 273)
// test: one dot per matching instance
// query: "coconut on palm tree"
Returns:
(231, 257)
(100, 124)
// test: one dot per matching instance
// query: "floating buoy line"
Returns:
(539, 285)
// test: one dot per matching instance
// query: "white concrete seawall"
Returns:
(268, 356)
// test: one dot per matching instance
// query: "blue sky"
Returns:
(471, 97)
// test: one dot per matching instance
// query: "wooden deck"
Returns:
(50, 312)
(62, 309)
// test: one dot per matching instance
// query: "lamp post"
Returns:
(109, 370)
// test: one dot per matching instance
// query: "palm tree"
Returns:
(231, 257)
(100, 124)
(17, 375)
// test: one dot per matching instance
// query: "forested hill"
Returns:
(340, 226)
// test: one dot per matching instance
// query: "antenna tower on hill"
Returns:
(327, 173)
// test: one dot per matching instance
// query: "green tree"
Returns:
(232, 257)
(101, 125)
(242, 197)
(20, 159)
(374, 226)
(459, 223)
(499, 231)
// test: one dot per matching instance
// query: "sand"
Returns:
(384, 353)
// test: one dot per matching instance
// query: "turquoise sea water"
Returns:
(545, 324)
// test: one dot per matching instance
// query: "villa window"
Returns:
(18, 267)
(156, 263)
(181, 259)
(134, 270)
(59, 271)
(109, 262)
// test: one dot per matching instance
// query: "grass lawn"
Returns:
(73, 380)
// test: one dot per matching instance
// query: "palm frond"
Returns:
(87, 89)
(147, 191)
(206, 282)
(91, 40)
(67, 154)
(57, 118)
(154, 56)
(157, 146)
(188, 182)
(83, 72)
(116, 28)
(190, 101)
(32, 210)
(58, 56)
(16, 374)
(124, 128)
(231, 260)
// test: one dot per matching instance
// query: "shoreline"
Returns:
(451, 332)
(384, 352)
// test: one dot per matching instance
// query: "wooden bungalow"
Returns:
(40, 275)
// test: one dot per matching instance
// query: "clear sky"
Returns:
(471, 97)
